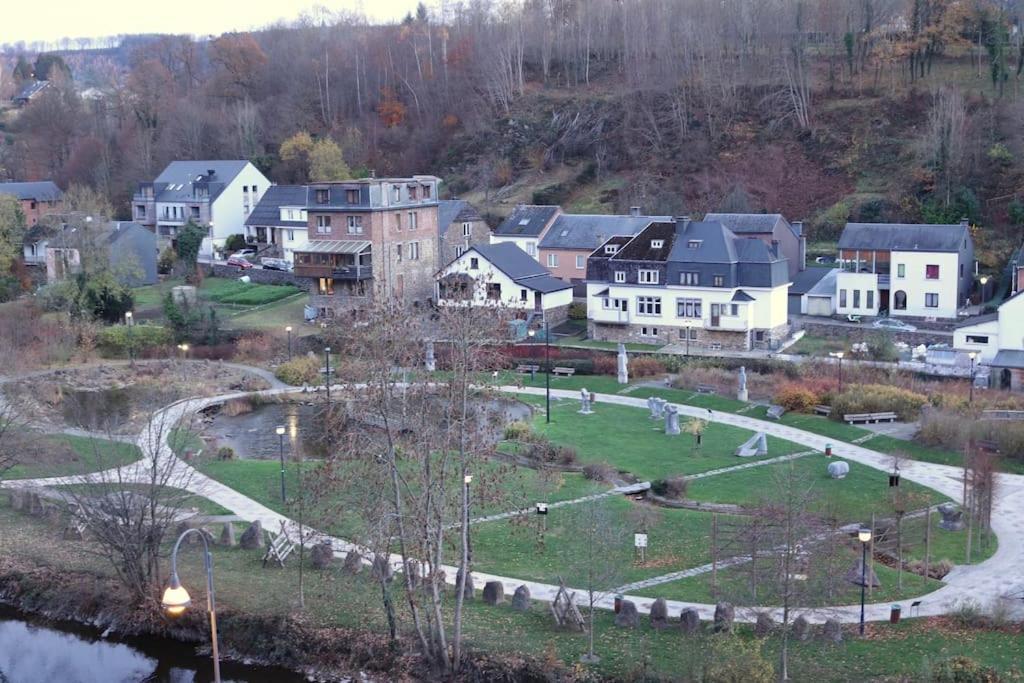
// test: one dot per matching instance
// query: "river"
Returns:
(34, 650)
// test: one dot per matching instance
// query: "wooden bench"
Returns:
(279, 549)
(862, 418)
(823, 410)
(775, 412)
(705, 389)
(563, 372)
(528, 369)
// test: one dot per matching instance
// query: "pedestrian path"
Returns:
(749, 465)
(617, 491)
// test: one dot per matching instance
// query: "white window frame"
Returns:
(414, 251)
(355, 225)
(611, 249)
(620, 276)
(691, 308)
(412, 220)
(460, 250)
(323, 225)
(467, 229)
(581, 261)
(689, 279)
(552, 260)
(648, 306)
(657, 244)
(647, 277)
(931, 296)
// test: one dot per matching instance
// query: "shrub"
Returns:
(517, 431)
(225, 453)
(968, 613)
(881, 348)
(577, 311)
(599, 471)
(299, 371)
(878, 398)
(732, 659)
(940, 428)
(961, 669)
(115, 340)
(672, 487)
(255, 346)
(796, 398)
(645, 367)
(165, 264)
(237, 406)
(234, 243)
(606, 364)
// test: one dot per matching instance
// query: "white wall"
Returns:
(290, 246)
(916, 285)
(511, 291)
(228, 214)
(524, 243)
(986, 351)
(862, 282)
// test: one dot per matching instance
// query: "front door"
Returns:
(538, 301)
(715, 314)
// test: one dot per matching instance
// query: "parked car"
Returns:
(275, 264)
(245, 253)
(894, 325)
(825, 260)
(239, 262)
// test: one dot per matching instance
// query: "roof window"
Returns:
(657, 244)
(693, 244)
(611, 248)
(524, 221)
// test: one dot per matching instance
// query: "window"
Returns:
(323, 196)
(325, 286)
(291, 235)
(718, 281)
(352, 196)
(412, 220)
(690, 332)
(412, 192)
(581, 261)
(474, 263)
(254, 189)
(467, 229)
(931, 272)
(245, 188)
(522, 295)
(531, 248)
(931, 300)
(759, 335)
(494, 291)
(290, 214)
(140, 210)
(426, 191)
(552, 260)
(396, 193)
(32, 204)
(693, 244)
(657, 244)
(323, 225)
(620, 276)
(398, 253)
(459, 251)
(735, 310)
(648, 305)
(689, 279)
(842, 298)
(611, 248)
(688, 308)
(870, 299)
(976, 339)
(647, 277)
(648, 331)
(398, 222)
(414, 251)
(856, 298)
(195, 211)
(901, 270)
(899, 301)
(615, 304)
(961, 270)
(355, 225)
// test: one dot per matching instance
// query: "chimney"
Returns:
(634, 211)
(685, 220)
(210, 172)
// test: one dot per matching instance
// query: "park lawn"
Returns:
(817, 346)
(629, 440)
(151, 297)
(677, 539)
(226, 291)
(93, 455)
(274, 316)
(692, 398)
(865, 490)
(599, 384)
(820, 424)
(202, 505)
(945, 545)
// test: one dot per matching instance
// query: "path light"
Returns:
(131, 346)
(327, 371)
(972, 355)
(289, 331)
(839, 355)
(176, 599)
(547, 368)
(864, 536)
(280, 442)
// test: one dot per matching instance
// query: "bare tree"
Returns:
(943, 143)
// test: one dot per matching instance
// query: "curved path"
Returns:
(992, 579)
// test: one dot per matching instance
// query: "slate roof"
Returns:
(43, 190)
(805, 280)
(119, 229)
(903, 237)
(826, 286)
(526, 220)
(718, 244)
(30, 90)
(977, 320)
(742, 296)
(1007, 358)
(589, 231)
(639, 248)
(454, 210)
(268, 211)
(520, 267)
(174, 184)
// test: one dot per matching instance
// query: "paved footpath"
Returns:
(992, 579)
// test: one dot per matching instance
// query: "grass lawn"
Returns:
(275, 316)
(817, 346)
(187, 500)
(92, 454)
(611, 346)
(945, 545)
(229, 297)
(692, 398)
(225, 291)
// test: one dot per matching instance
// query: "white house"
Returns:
(504, 275)
(913, 271)
(688, 282)
(280, 220)
(998, 341)
(217, 194)
(525, 227)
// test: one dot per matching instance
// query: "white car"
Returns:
(893, 324)
(244, 253)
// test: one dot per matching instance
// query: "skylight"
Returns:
(657, 244)
(524, 221)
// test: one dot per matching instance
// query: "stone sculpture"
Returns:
(521, 599)
(585, 398)
(628, 616)
(741, 393)
(725, 615)
(952, 517)
(671, 420)
(689, 620)
(623, 364)
(430, 362)
(494, 593)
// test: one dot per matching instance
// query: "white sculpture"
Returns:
(623, 364)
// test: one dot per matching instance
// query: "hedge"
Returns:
(114, 340)
(878, 398)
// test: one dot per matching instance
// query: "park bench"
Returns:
(528, 369)
(853, 418)
(823, 410)
(705, 389)
(567, 372)
(279, 549)
(775, 412)
(988, 445)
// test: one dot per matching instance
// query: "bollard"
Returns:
(894, 614)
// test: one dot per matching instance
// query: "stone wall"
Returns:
(862, 333)
(735, 341)
(259, 275)
(773, 338)
(557, 315)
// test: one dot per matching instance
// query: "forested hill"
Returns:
(825, 110)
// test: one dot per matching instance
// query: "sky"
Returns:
(28, 22)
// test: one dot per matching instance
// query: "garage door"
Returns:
(819, 305)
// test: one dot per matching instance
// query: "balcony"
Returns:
(611, 316)
(726, 324)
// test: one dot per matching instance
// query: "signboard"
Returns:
(542, 508)
(640, 540)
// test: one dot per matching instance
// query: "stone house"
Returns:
(37, 199)
(460, 226)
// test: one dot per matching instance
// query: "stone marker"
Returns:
(659, 408)
(430, 362)
(322, 555)
(585, 399)
(671, 420)
(627, 617)
(725, 614)
(227, 535)
(659, 614)
(650, 405)
(35, 505)
(353, 563)
(741, 391)
(833, 631)
(494, 593)
(952, 517)
(623, 365)
(17, 498)
(857, 577)
(838, 469)
(801, 628)
(252, 537)
(689, 620)
(467, 592)
(521, 599)
(382, 568)
(764, 624)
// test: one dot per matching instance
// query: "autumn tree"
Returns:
(295, 152)
(326, 162)
(12, 231)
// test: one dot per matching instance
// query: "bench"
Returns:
(869, 417)
(823, 410)
(528, 369)
(279, 549)
(705, 389)
(775, 412)
(563, 372)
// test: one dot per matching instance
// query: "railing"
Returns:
(611, 316)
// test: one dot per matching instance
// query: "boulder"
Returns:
(832, 631)
(252, 537)
(521, 599)
(494, 593)
(659, 614)
(227, 535)
(322, 555)
(838, 469)
(858, 577)
(468, 588)
(801, 628)
(725, 614)
(628, 616)
(353, 563)
(764, 624)
(689, 620)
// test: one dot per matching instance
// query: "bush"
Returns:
(961, 669)
(577, 311)
(165, 264)
(10, 288)
(115, 340)
(599, 471)
(517, 431)
(796, 398)
(732, 659)
(673, 487)
(645, 367)
(234, 243)
(299, 371)
(878, 398)
(881, 348)
(606, 364)
(225, 453)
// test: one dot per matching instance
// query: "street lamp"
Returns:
(289, 331)
(131, 346)
(839, 355)
(972, 355)
(864, 536)
(176, 599)
(184, 350)
(327, 373)
(547, 369)
(280, 443)
(984, 281)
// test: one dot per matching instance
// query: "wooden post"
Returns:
(899, 551)
(871, 555)
(714, 554)
(927, 540)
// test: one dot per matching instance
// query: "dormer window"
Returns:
(693, 244)
(426, 191)
(647, 277)
(352, 196)
(611, 248)
(323, 196)
(657, 244)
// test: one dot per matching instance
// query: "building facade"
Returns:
(525, 227)
(278, 224)
(770, 228)
(460, 226)
(37, 199)
(997, 340)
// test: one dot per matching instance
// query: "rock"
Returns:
(382, 568)
(494, 593)
(801, 628)
(35, 505)
(764, 624)
(17, 498)
(833, 631)
(628, 616)
(227, 535)
(252, 537)
(322, 555)
(952, 517)
(689, 620)
(353, 563)
(521, 599)
(857, 576)
(659, 614)
(468, 588)
(838, 469)
(725, 614)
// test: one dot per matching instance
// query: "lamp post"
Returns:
(547, 369)
(686, 331)
(864, 536)
(131, 341)
(984, 281)
(327, 372)
(839, 355)
(972, 355)
(289, 331)
(280, 444)
(176, 599)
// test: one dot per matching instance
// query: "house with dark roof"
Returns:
(279, 222)
(129, 248)
(771, 228)
(688, 282)
(218, 194)
(29, 91)
(525, 227)
(504, 275)
(460, 226)
(905, 270)
(37, 199)
(997, 342)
